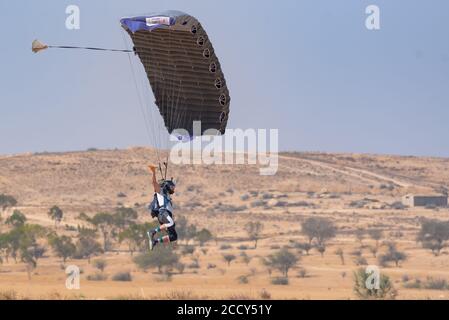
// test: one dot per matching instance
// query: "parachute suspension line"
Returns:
(164, 102)
(140, 98)
(38, 46)
(90, 48)
(157, 125)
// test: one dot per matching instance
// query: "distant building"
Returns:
(413, 200)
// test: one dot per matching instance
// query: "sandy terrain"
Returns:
(308, 184)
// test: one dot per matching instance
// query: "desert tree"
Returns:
(229, 258)
(369, 291)
(55, 213)
(23, 241)
(254, 229)
(17, 219)
(203, 236)
(374, 250)
(304, 246)
(376, 235)
(339, 252)
(360, 235)
(392, 255)
(320, 230)
(246, 259)
(433, 235)
(87, 247)
(100, 264)
(63, 246)
(4, 246)
(124, 217)
(6, 201)
(105, 223)
(181, 227)
(282, 260)
(135, 236)
(190, 233)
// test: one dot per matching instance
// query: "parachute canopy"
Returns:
(183, 70)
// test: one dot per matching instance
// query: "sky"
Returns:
(308, 68)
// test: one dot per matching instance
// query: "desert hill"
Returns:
(354, 191)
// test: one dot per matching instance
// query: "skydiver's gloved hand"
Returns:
(152, 168)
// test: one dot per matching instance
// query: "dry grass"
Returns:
(90, 182)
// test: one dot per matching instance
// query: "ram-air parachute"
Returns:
(183, 70)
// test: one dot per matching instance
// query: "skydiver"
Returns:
(162, 208)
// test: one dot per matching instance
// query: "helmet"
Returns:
(168, 186)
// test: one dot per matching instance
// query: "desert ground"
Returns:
(356, 192)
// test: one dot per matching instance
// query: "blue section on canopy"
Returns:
(135, 24)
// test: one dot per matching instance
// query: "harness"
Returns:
(160, 202)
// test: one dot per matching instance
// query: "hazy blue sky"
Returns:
(309, 68)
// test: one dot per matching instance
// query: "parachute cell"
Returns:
(183, 70)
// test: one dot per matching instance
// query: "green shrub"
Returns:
(385, 290)
(436, 284)
(280, 281)
(122, 276)
(243, 279)
(97, 277)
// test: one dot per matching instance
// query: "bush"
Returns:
(385, 290)
(180, 267)
(398, 206)
(193, 265)
(122, 276)
(392, 255)
(203, 236)
(405, 278)
(258, 203)
(243, 279)
(320, 229)
(246, 259)
(360, 261)
(436, 284)
(229, 258)
(100, 264)
(304, 246)
(97, 277)
(302, 273)
(188, 250)
(280, 281)
(413, 285)
(225, 247)
(358, 204)
(254, 229)
(282, 260)
(433, 235)
(281, 204)
(159, 258)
